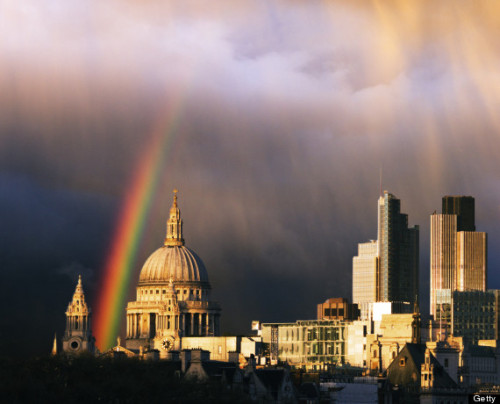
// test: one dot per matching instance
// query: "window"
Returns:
(402, 362)
(445, 362)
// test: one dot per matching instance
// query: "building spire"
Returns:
(416, 323)
(174, 225)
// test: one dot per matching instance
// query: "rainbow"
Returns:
(120, 262)
(122, 257)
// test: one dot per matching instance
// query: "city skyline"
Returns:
(273, 122)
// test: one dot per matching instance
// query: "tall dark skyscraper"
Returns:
(398, 253)
(463, 207)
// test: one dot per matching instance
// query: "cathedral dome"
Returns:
(176, 263)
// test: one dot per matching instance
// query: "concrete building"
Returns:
(78, 335)
(337, 308)
(458, 256)
(173, 296)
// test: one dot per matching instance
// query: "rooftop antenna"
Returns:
(381, 180)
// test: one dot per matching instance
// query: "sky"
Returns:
(279, 117)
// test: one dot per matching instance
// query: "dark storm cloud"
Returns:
(285, 111)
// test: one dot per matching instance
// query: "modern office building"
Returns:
(398, 253)
(464, 208)
(365, 273)
(474, 315)
(458, 256)
(386, 270)
(309, 344)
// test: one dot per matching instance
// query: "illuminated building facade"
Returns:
(173, 296)
(386, 270)
(365, 273)
(458, 256)
(307, 343)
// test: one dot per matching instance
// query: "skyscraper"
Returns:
(463, 207)
(365, 273)
(458, 254)
(398, 253)
(386, 270)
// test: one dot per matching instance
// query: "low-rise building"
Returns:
(220, 347)
(395, 331)
(311, 344)
(337, 308)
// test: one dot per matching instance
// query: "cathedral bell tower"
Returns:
(78, 335)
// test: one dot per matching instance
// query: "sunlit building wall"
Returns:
(310, 344)
(458, 256)
(471, 260)
(357, 332)
(364, 273)
(443, 257)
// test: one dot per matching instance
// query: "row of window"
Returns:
(192, 292)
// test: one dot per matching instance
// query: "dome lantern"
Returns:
(174, 225)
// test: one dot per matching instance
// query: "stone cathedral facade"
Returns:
(173, 296)
(78, 335)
